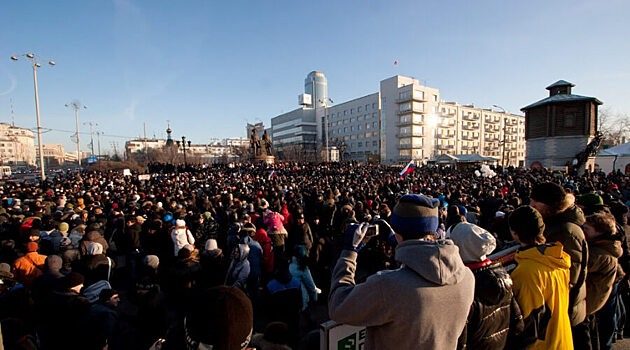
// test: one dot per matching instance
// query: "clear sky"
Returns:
(211, 66)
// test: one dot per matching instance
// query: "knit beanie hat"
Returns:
(206, 215)
(223, 319)
(53, 262)
(5, 271)
(590, 199)
(180, 223)
(473, 241)
(31, 247)
(94, 248)
(152, 261)
(211, 244)
(526, 220)
(63, 227)
(415, 213)
(73, 279)
(548, 193)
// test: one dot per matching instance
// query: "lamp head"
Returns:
(14, 58)
(30, 55)
(37, 64)
(52, 63)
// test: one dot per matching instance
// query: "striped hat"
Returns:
(415, 213)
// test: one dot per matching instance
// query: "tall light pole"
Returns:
(35, 63)
(98, 137)
(325, 102)
(91, 124)
(76, 105)
(502, 142)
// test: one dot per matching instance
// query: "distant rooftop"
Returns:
(560, 83)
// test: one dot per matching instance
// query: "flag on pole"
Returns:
(407, 170)
(395, 63)
(272, 175)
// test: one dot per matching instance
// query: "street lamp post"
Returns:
(35, 64)
(325, 102)
(184, 148)
(76, 105)
(503, 141)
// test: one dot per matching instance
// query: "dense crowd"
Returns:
(238, 256)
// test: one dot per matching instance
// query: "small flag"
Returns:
(395, 63)
(272, 175)
(407, 170)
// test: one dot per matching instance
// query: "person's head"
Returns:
(31, 247)
(94, 248)
(550, 199)
(415, 216)
(474, 242)
(73, 281)
(527, 226)
(152, 261)
(600, 225)
(63, 227)
(299, 218)
(53, 263)
(109, 297)
(590, 203)
(276, 332)
(222, 319)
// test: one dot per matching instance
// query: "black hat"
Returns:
(548, 193)
(106, 294)
(526, 221)
(223, 318)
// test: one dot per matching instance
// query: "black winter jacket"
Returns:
(494, 311)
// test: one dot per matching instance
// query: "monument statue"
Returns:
(254, 144)
(260, 150)
(267, 143)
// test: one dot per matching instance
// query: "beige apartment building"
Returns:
(17, 146)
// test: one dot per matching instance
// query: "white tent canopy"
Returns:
(614, 158)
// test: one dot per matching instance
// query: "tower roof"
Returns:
(560, 83)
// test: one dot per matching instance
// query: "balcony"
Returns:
(404, 146)
(445, 147)
(470, 117)
(469, 138)
(466, 126)
(414, 97)
(408, 111)
(445, 136)
(492, 121)
(409, 122)
(469, 148)
(415, 134)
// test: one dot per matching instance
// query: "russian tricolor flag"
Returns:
(408, 169)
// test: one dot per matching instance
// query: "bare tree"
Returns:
(615, 127)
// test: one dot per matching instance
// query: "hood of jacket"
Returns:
(550, 255)
(574, 215)
(436, 261)
(611, 247)
(243, 249)
(261, 236)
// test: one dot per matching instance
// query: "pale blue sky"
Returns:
(210, 66)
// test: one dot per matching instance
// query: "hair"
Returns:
(603, 223)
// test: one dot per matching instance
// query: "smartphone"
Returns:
(371, 231)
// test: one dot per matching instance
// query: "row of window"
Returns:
(351, 111)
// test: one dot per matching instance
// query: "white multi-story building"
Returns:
(17, 146)
(404, 120)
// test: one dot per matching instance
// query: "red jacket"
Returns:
(265, 242)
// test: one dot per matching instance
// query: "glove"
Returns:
(353, 239)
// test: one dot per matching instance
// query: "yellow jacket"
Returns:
(541, 286)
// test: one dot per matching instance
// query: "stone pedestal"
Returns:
(260, 159)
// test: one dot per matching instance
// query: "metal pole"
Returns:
(98, 136)
(91, 140)
(39, 127)
(326, 121)
(76, 118)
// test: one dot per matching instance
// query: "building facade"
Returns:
(17, 146)
(54, 154)
(403, 121)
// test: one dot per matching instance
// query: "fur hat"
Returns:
(94, 248)
(548, 193)
(473, 241)
(223, 319)
(180, 223)
(415, 213)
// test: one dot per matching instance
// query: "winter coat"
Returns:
(27, 268)
(267, 248)
(63, 310)
(102, 327)
(494, 311)
(541, 285)
(92, 236)
(95, 268)
(302, 235)
(275, 229)
(308, 285)
(238, 272)
(566, 229)
(602, 269)
(418, 306)
(181, 236)
(255, 256)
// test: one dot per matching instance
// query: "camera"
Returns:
(372, 231)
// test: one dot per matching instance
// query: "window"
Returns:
(359, 109)
(435, 98)
(345, 112)
(360, 144)
(374, 143)
(367, 125)
(359, 118)
(351, 119)
(375, 105)
(359, 127)
(375, 124)
(373, 115)
(351, 110)
(345, 129)
(367, 107)
(352, 128)
(404, 95)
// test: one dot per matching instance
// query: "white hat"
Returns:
(180, 223)
(473, 241)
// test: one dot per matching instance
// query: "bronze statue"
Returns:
(267, 143)
(254, 143)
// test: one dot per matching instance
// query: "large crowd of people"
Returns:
(242, 256)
